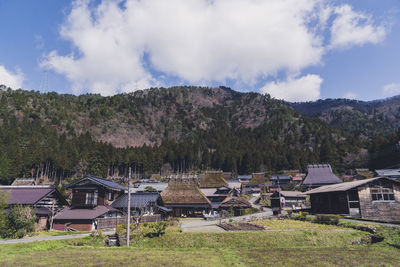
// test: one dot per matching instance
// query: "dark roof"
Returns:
(235, 200)
(280, 176)
(138, 200)
(344, 186)
(83, 214)
(289, 194)
(101, 181)
(320, 174)
(28, 195)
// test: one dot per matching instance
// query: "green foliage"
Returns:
(149, 189)
(20, 221)
(3, 217)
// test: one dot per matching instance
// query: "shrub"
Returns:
(331, 219)
(20, 221)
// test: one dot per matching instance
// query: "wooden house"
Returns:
(278, 181)
(47, 200)
(185, 198)
(319, 175)
(375, 198)
(234, 202)
(91, 199)
(149, 203)
(213, 179)
(293, 200)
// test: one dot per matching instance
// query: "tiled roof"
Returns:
(101, 181)
(388, 172)
(28, 195)
(83, 214)
(138, 200)
(290, 194)
(320, 174)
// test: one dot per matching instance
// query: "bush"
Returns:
(331, 219)
(20, 221)
(301, 216)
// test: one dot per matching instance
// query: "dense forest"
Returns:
(57, 137)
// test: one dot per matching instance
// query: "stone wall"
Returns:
(379, 210)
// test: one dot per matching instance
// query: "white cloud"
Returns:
(305, 88)
(391, 89)
(119, 45)
(350, 95)
(354, 28)
(11, 79)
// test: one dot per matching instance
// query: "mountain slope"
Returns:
(366, 119)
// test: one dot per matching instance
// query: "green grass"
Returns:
(319, 247)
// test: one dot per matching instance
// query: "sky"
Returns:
(297, 50)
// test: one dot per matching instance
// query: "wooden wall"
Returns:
(379, 210)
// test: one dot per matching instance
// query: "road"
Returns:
(47, 238)
(201, 225)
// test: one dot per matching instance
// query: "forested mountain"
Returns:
(164, 129)
(366, 119)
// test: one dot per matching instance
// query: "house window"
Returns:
(382, 192)
(110, 196)
(91, 198)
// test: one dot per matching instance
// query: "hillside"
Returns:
(366, 119)
(163, 129)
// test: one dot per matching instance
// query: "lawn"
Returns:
(275, 224)
(320, 247)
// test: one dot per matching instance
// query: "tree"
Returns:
(20, 221)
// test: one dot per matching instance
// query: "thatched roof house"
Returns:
(184, 197)
(213, 179)
(319, 175)
(258, 179)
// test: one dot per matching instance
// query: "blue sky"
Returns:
(297, 50)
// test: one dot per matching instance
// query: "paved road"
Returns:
(253, 201)
(377, 223)
(47, 238)
(192, 225)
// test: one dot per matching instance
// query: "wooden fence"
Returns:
(111, 223)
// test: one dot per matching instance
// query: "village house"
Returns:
(257, 182)
(278, 181)
(375, 198)
(234, 202)
(319, 175)
(91, 199)
(47, 201)
(213, 179)
(142, 203)
(288, 200)
(185, 198)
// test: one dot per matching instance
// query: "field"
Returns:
(284, 245)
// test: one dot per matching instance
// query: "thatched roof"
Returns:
(235, 201)
(213, 180)
(183, 190)
(258, 178)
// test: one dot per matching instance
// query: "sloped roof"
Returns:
(258, 178)
(235, 200)
(28, 195)
(344, 186)
(320, 174)
(83, 214)
(388, 172)
(183, 191)
(213, 179)
(138, 200)
(157, 186)
(280, 177)
(101, 181)
(289, 194)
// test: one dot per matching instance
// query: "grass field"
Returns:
(320, 247)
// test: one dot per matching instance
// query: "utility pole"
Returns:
(128, 227)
